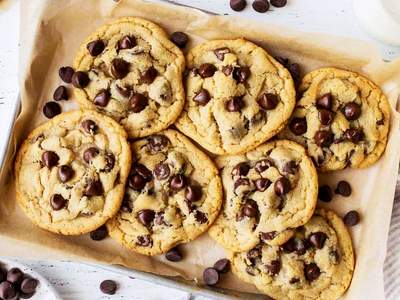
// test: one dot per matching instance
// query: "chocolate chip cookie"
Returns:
(268, 191)
(316, 263)
(71, 172)
(174, 194)
(342, 119)
(237, 96)
(131, 71)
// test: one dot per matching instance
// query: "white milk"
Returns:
(380, 18)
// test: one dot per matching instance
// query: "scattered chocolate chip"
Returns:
(318, 239)
(149, 76)
(289, 246)
(94, 188)
(15, 276)
(127, 42)
(262, 184)
(193, 193)
(80, 80)
(298, 126)
(250, 209)
(325, 102)
(220, 53)
(65, 173)
(146, 216)
(351, 218)
(222, 266)
(178, 182)
(90, 153)
(351, 111)
(241, 169)
(144, 240)
(241, 74)
(274, 267)
(89, 126)
(157, 142)
(137, 182)
(138, 102)
(95, 47)
(261, 6)
(268, 101)
(126, 205)
(60, 93)
(263, 165)
(325, 116)
(29, 285)
(200, 217)
(325, 193)
(354, 135)
(50, 159)
(7, 291)
(238, 5)
(240, 182)
(235, 104)
(180, 39)
(51, 109)
(323, 138)
(66, 74)
(227, 70)
(108, 287)
(161, 171)
(311, 271)
(99, 234)
(282, 186)
(102, 98)
(289, 167)
(343, 188)
(268, 236)
(119, 68)
(174, 255)
(202, 97)
(210, 276)
(207, 70)
(142, 171)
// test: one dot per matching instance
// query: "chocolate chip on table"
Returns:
(7, 291)
(207, 70)
(51, 109)
(57, 202)
(174, 255)
(274, 267)
(108, 287)
(222, 266)
(241, 169)
(161, 171)
(325, 193)
(119, 68)
(282, 186)
(146, 216)
(65, 173)
(193, 193)
(202, 97)
(354, 135)
(29, 285)
(102, 98)
(90, 153)
(268, 101)
(60, 93)
(250, 209)
(298, 126)
(311, 271)
(157, 142)
(241, 74)
(127, 42)
(325, 116)
(325, 102)
(94, 188)
(343, 188)
(351, 111)
(50, 159)
(80, 80)
(178, 182)
(220, 53)
(15, 276)
(323, 138)
(210, 276)
(262, 184)
(351, 218)
(235, 104)
(66, 74)
(138, 102)
(99, 234)
(95, 47)
(238, 5)
(149, 76)
(278, 3)
(261, 6)
(180, 39)
(263, 165)
(317, 239)
(89, 126)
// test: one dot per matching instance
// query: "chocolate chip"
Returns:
(15, 276)
(352, 111)
(262, 184)
(174, 255)
(7, 291)
(26, 295)
(159, 219)
(202, 97)
(110, 162)
(323, 138)
(200, 217)
(301, 246)
(108, 287)
(60, 93)
(241, 169)
(351, 218)
(90, 153)
(318, 239)
(354, 135)
(238, 5)
(180, 39)
(178, 182)
(278, 3)
(282, 186)
(289, 167)
(325, 102)
(325, 116)
(144, 240)
(80, 80)
(137, 182)
(227, 70)
(298, 126)
(263, 165)
(157, 142)
(119, 68)
(142, 171)
(65, 173)
(51, 109)
(222, 266)
(240, 74)
(343, 188)
(325, 193)
(274, 267)
(66, 74)
(193, 193)
(148, 76)
(50, 159)
(207, 70)
(254, 254)
(250, 209)
(89, 126)
(127, 42)
(268, 101)
(240, 182)
(311, 271)
(210, 276)
(146, 216)
(57, 202)
(94, 188)
(268, 236)
(102, 98)
(161, 171)
(124, 91)
(138, 102)
(29, 285)
(95, 47)
(261, 6)
(289, 246)
(99, 234)
(220, 53)
(294, 280)
(235, 104)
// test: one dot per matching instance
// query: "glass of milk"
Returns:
(380, 18)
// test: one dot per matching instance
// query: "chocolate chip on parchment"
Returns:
(202, 97)
(161, 171)
(60, 93)
(99, 234)
(311, 271)
(323, 138)
(354, 135)
(90, 153)
(241, 74)
(220, 53)
(174, 255)
(268, 101)
(51, 109)
(180, 39)
(278, 3)
(325, 116)
(351, 218)
(65, 173)
(261, 6)
(119, 68)
(274, 267)
(108, 287)
(178, 182)
(207, 70)
(29, 285)
(318, 239)
(149, 76)
(325, 193)
(50, 159)
(298, 126)
(95, 47)
(222, 266)
(89, 126)
(210, 276)
(127, 42)
(66, 74)
(94, 188)
(343, 188)
(80, 80)
(102, 98)
(351, 111)
(235, 104)
(238, 5)
(193, 193)
(325, 102)
(282, 186)
(138, 102)
(7, 291)
(146, 216)
(262, 184)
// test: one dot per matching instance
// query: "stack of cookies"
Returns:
(132, 162)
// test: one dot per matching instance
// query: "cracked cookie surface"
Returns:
(316, 263)
(237, 96)
(342, 119)
(173, 195)
(130, 70)
(71, 172)
(268, 191)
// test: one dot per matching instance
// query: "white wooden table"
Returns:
(80, 281)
